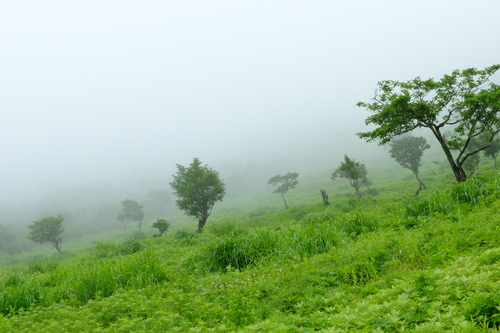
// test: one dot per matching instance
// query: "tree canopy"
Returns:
(465, 101)
(284, 184)
(492, 151)
(197, 188)
(162, 225)
(47, 230)
(408, 151)
(353, 171)
(132, 211)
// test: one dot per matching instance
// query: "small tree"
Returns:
(408, 152)
(162, 225)
(197, 188)
(353, 171)
(462, 101)
(47, 230)
(132, 211)
(492, 151)
(285, 183)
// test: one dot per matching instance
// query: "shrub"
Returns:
(475, 189)
(130, 246)
(235, 252)
(427, 205)
(358, 223)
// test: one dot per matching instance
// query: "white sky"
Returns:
(91, 89)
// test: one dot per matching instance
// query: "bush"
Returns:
(427, 205)
(476, 189)
(235, 252)
(183, 234)
(130, 246)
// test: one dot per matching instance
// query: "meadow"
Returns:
(386, 263)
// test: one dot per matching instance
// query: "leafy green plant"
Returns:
(475, 190)
(425, 206)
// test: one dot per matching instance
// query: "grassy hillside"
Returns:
(386, 263)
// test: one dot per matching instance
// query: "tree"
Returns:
(408, 151)
(162, 225)
(47, 230)
(492, 151)
(466, 101)
(132, 211)
(353, 171)
(197, 188)
(285, 183)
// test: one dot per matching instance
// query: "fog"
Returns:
(98, 95)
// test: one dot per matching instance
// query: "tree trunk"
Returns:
(325, 197)
(495, 165)
(358, 194)
(457, 169)
(422, 185)
(57, 245)
(201, 224)
(283, 195)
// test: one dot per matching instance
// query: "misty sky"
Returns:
(96, 89)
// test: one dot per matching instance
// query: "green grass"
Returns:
(388, 263)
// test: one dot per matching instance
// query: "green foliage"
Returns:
(197, 188)
(47, 230)
(42, 266)
(430, 205)
(111, 249)
(408, 151)
(284, 183)
(226, 229)
(461, 100)
(132, 211)
(353, 266)
(235, 252)
(492, 151)
(477, 189)
(162, 225)
(353, 171)
(184, 236)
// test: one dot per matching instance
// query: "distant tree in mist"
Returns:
(284, 184)
(492, 151)
(131, 211)
(408, 151)
(162, 225)
(353, 171)
(197, 188)
(47, 230)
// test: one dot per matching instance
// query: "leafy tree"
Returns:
(285, 183)
(197, 188)
(465, 101)
(408, 151)
(162, 225)
(492, 151)
(353, 171)
(132, 211)
(47, 230)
